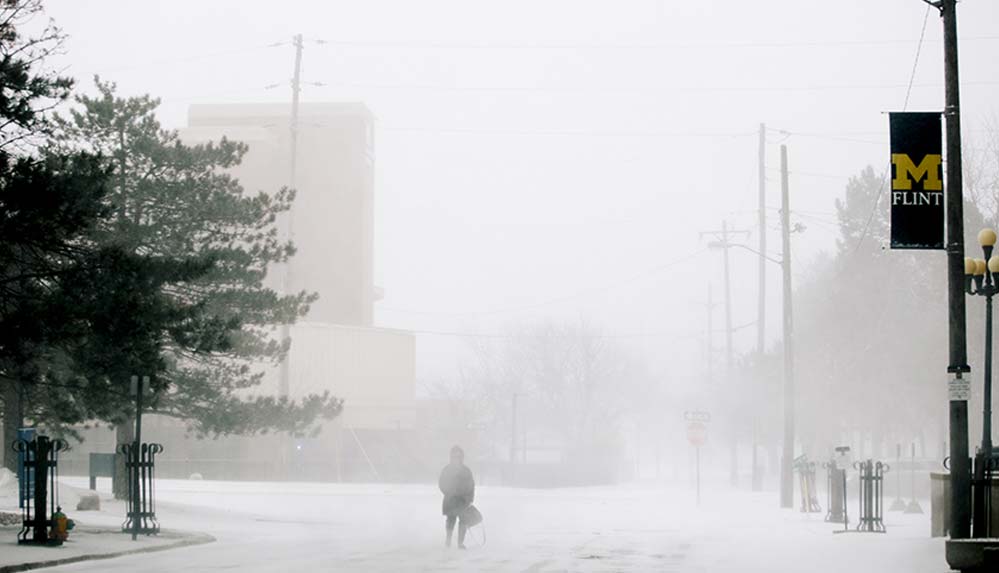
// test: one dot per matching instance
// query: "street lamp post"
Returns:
(982, 279)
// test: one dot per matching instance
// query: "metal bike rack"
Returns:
(806, 481)
(872, 500)
(140, 462)
(38, 489)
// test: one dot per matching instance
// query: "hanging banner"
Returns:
(917, 197)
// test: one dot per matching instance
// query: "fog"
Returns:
(529, 157)
(550, 184)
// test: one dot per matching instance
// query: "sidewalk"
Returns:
(97, 534)
(85, 544)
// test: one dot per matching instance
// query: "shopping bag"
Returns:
(471, 516)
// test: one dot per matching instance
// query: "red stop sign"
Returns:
(697, 433)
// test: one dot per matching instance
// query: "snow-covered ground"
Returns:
(272, 527)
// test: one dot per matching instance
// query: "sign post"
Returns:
(843, 460)
(137, 390)
(697, 435)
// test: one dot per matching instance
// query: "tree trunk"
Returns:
(124, 434)
(12, 420)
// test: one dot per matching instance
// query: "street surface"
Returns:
(275, 527)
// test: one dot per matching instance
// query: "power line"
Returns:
(155, 64)
(408, 44)
(919, 48)
(542, 132)
(642, 89)
(229, 93)
(831, 136)
(844, 136)
(811, 212)
(159, 63)
(874, 209)
(552, 89)
(501, 336)
(828, 226)
(565, 133)
(811, 174)
(677, 335)
(905, 106)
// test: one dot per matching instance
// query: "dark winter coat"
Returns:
(458, 487)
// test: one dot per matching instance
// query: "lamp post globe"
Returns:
(980, 267)
(969, 266)
(987, 238)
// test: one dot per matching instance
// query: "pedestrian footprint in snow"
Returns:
(458, 487)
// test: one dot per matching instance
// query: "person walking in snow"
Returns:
(458, 486)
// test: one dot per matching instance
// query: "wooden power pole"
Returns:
(761, 304)
(786, 476)
(722, 241)
(296, 90)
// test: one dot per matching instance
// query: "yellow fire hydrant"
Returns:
(61, 525)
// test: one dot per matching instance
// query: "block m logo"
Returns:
(906, 171)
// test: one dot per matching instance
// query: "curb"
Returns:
(188, 540)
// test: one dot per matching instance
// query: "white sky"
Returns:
(529, 151)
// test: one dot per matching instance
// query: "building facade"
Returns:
(335, 348)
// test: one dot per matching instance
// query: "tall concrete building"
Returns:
(331, 221)
(384, 432)
(335, 347)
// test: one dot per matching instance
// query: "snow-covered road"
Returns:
(270, 527)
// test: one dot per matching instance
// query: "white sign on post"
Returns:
(843, 458)
(958, 389)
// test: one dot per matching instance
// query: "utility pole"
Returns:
(722, 242)
(960, 467)
(710, 351)
(762, 225)
(761, 306)
(728, 303)
(786, 477)
(296, 89)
